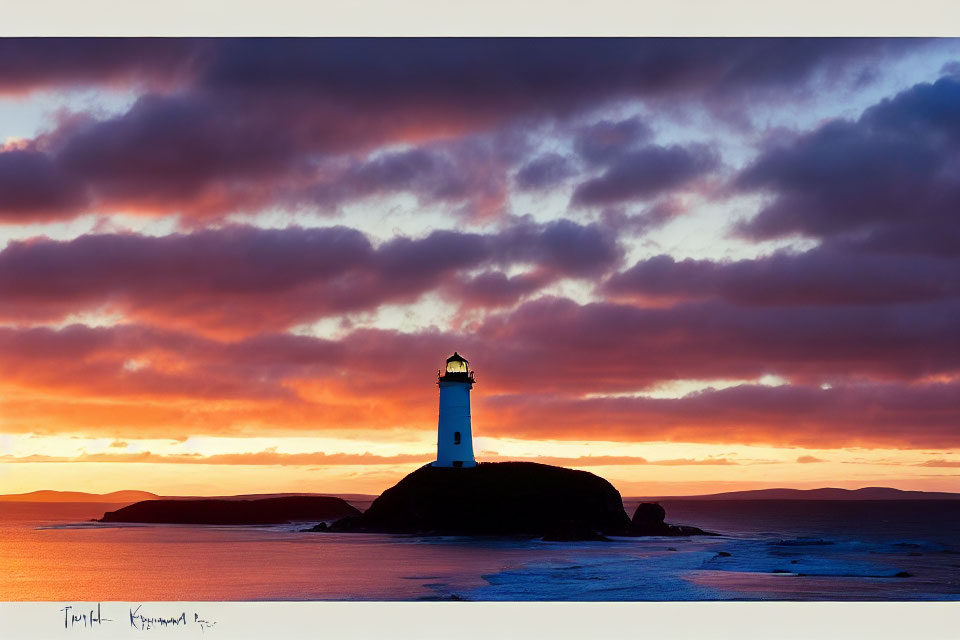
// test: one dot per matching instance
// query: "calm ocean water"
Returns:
(793, 550)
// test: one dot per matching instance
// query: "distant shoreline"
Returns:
(867, 493)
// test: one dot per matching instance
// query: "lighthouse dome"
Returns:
(457, 364)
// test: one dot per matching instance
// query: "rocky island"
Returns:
(648, 520)
(490, 499)
(507, 498)
(238, 512)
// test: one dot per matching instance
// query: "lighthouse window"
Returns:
(456, 366)
(456, 437)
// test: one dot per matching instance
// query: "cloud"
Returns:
(28, 64)
(468, 174)
(203, 156)
(606, 347)
(809, 460)
(238, 280)
(562, 245)
(273, 458)
(646, 173)
(893, 168)
(651, 217)
(268, 457)
(826, 275)
(236, 125)
(597, 348)
(465, 72)
(544, 171)
(691, 461)
(497, 74)
(202, 340)
(175, 151)
(606, 141)
(493, 289)
(32, 187)
(536, 365)
(940, 463)
(905, 416)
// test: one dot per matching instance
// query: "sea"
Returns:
(765, 550)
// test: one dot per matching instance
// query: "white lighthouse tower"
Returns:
(454, 434)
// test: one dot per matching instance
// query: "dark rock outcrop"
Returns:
(505, 498)
(649, 516)
(214, 511)
(648, 520)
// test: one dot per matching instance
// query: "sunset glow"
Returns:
(689, 266)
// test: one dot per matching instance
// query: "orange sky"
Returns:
(688, 266)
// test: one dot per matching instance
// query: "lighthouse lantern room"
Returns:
(454, 433)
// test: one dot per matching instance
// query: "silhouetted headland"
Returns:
(218, 511)
(503, 499)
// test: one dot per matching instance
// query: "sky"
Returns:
(687, 265)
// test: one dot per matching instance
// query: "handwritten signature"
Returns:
(144, 622)
(74, 617)
(85, 619)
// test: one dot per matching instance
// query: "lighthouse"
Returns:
(454, 433)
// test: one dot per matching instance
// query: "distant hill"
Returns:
(359, 500)
(78, 496)
(214, 511)
(867, 493)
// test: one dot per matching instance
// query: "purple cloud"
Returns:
(646, 173)
(893, 168)
(235, 125)
(822, 276)
(244, 279)
(607, 140)
(32, 187)
(544, 171)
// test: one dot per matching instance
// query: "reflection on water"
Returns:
(887, 551)
(169, 562)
